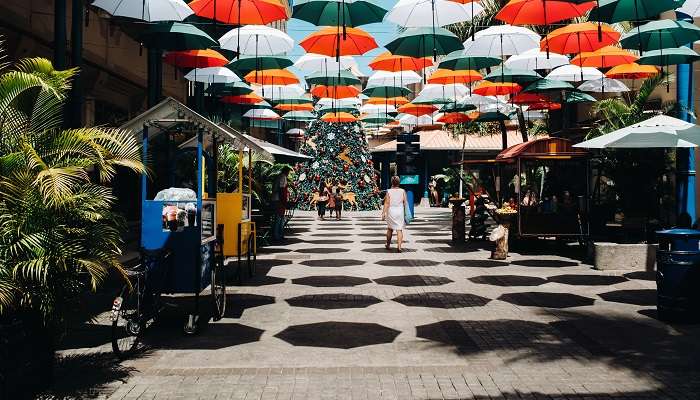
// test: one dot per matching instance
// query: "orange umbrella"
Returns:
(335, 92)
(250, 98)
(577, 38)
(632, 71)
(195, 58)
(241, 12)
(294, 107)
(331, 42)
(397, 101)
(446, 76)
(545, 105)
(271, 77)
(541, 12)
(605, 57)
(337, 117)
(528, 98)
(457, 117)
(417, 109)
(487, 88)
(393, 63)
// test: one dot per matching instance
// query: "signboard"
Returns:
(407, 138)
(408, 148)
(410, 179)
(208, 219)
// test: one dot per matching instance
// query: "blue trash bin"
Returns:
(678, 275)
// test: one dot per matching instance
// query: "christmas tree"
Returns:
(339, 154)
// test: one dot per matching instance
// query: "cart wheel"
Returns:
(127, 326)
(218, 288)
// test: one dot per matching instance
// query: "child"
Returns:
(338, 202)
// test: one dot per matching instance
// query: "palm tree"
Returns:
(58, 233)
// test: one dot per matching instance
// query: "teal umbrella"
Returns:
(661, 34)
(458, 60)
(338, 12)
(424, 42)
(293, 100)
(229, 89)
(460, 106)
(519, 76)
(340, 78)
(612, 11)
(547, 85)
(492, 116)
(324, 110)
(379, 118)
(432, 100)
(175, 36)
(571, 97)
(386, 91)
(670, 56)
(299, 116)
(245, 64)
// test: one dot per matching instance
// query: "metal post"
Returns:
(76, 33)
(153, 81)
(685, 158)
(59, 35)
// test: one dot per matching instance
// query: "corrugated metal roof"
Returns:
(441, 140)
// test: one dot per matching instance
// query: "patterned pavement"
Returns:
(333, 315)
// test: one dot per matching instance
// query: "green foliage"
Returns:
(58, 233)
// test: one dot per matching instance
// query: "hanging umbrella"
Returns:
(338, 117)
(335, 92)
(146, 10)
(574, 96)
(545, 105)
(256, 40)
(605, 57)
(574, 73)
(332, 109)
(660, 131)
(603, 85)
(299, 116)
(346, 102)
(279, 91)
(250, 98)
(245, 64)
(458, 60)
(338, 12)
(376, 118)
(632, 71)
(394, 63)
(492, 116)
(396, 101)
(294, 131)
(547, 85)
(378, 109)
(386, 91)
(229, 89)
(450, 92)
(446, 76)
(655, 35)
(457, 117)
(195, 58)
(412, 120)
(241, 12)
(294, 107)
(293, 100)
(459, 106)
(271, 77)
(431, 13)
(328, 41)
(487, 88)
(501, 40)
(541, 12)
(417, 109)
(631, 10)
(577, 38)
(519, 76)
(261, 114)
(528, 98)
(386, 78)
(424, 42)
(669, 56)
(175, 36)
(691, 8)
(311, 62)
(482, 102)
(212, 75)
(535, 59)
(339, 78)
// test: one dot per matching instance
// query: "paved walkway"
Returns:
(333, 315)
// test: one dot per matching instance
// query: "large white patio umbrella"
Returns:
(501, 40)
(450, 91)
(261, 114)
(279, 91)
(423, 13)
(397, 79)
(311, 62)
(412, 120)
(212, 75)
(536, 59)
(377, 109)
(339, 103)
(660, 131)
(607, 85)
(574, 73)
(146, 10)
(256, 40)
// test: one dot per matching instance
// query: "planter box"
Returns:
(629, 257)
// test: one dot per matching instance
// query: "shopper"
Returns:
(322, 200)
(394, 212)
(279, 203)
(338, 200)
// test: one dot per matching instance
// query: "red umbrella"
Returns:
(241, 12)
(195, 58)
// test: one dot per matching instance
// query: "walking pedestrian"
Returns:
(322, 200)
(338, 199)
(280, 196)
(394, 213)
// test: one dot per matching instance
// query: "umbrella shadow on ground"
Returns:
(441, 300)
(391, 250)
(338, 335)
(322, 250)
(261, 277)
(328, 241)
(587, 280)
(402, 262)
(508, 280)
(413, 280)
(472, 263)
(237, 303)
(333, 301)
(639, 297)
(332, 263)
(546, 299)
(539, 263)
(331, 281)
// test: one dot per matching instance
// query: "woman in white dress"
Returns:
(394, 212)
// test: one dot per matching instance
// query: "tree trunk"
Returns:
(522, 123)
(504, 133)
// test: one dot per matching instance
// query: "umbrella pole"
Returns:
(580, 59)
(238, 38)
(337, 43)
(546, 37)
(639, 31)
(600, 28)
(434, 45)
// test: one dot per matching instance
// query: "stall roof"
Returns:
(276, 150)
(441, 140)
(170, 112)
(542, 148)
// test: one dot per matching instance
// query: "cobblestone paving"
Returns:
(333, 315)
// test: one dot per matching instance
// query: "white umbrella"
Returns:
(449, 91)
(146, 10)
(608, 85)
(660, 131)
(501, 40)
(691, 8)
(311, 62)
(296, 131)
(412, 120)
(212, 75)
(261, 113)
(530, 115)
(279, 91)
(377, 109)
(574, 73)
(387, 78)
(347, 102)
(536, 59)
(480, 101)
(422, 13)
(256, 40)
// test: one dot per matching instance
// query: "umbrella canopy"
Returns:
(250, 98)
(604, 57)
(429, 13)
(394, 63)
(536, 59)
(386, 91)
(492, 116)
(378, 108)
(271, 77)
(336, 109)
(545, 105)
(146, 10)
(311, 62)
(386, 78)
(299, 116)
(229, 89)
(487, 88)
(457, 117)
(245, 64)
(376, 118)
(396, 101)
(690, 7)
(338, 117)
(574, 96)
(424, 42)
(339, 78)
(541, 12)
(256, 40)
(449, 91)
(294, 100)
(519, 76)
(528, 98)
(335, 92)
(632, 71)
(447, 76)
(212, 75)
(195, 58)
(294, 107)
(346, 102)
(608, 85)
(631, 10)
(279, 91)
(294, 131)
(458, 60)
(261, 114)
(660, 131)
(412, 120)
(481, 101)
(547, 85)
(659, 34)
(574, 73)
(501, 40)
(460, 106)
(577, 38)
(417, 109)
(330, 42)
(670, 56)
(175, 36)
(338, 12)
(241, 12)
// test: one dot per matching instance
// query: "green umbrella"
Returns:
(245, 64)
(612, 11)
(424, 42)
(299, 116)
(341, 78)
(176, 36)
(546, 85)
(671, 56)
(661, 34)
(338, 12)
(519, 76)
(229, 89)
(379, 118)
(457, 60)
(432, 100)
(386, 91)
(492, 116)
(460, 106)
(575, 96)
(325, 110)
(293, 100)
